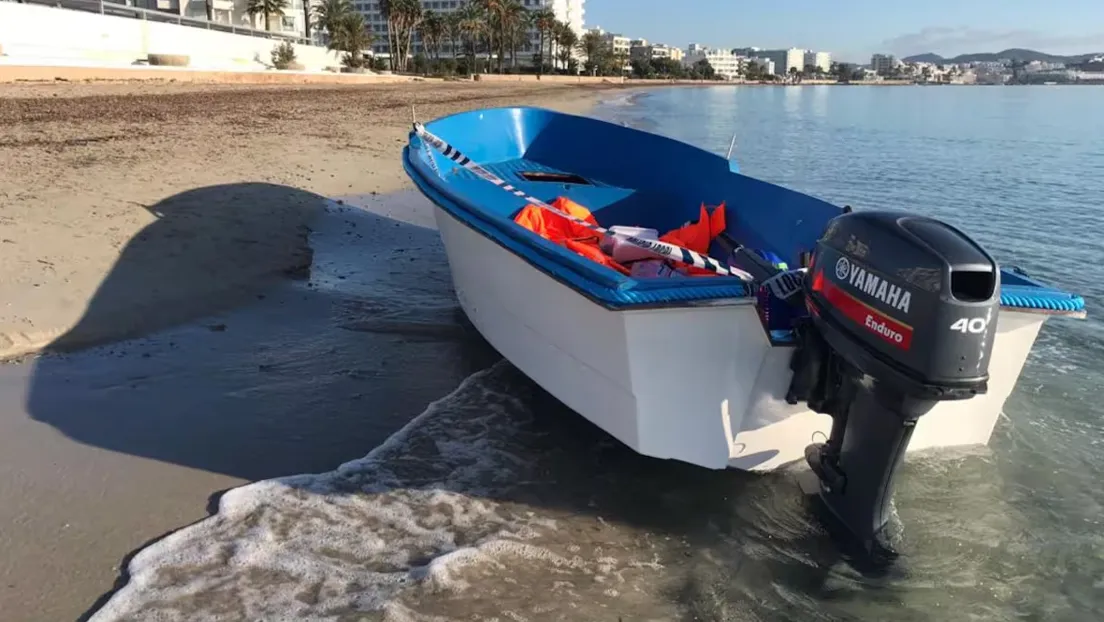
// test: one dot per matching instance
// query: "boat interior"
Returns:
(636, 179)
(623, 177)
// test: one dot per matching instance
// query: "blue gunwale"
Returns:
(609, 288)
(598, 283)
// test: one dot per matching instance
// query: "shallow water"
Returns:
(498, 503)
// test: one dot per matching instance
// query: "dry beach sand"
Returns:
(85, 164)
(231, 175)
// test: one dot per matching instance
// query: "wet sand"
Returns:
(271, 334)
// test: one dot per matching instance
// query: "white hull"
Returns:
(701, 385)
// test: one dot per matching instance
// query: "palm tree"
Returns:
(592, 47)
(620, 59)
(433, 31)
(453, 30)
(350, 35)
(306, 19)
(472, 26)
(403, 18)
(329, 13)
(385, 9)
(567, 41)
(545, 21)
(515, 24)
(267, 8)
(492, 10)
(408, 16)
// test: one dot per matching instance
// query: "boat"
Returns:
(801, 333)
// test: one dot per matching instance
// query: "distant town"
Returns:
(472, 37)
(552, 38)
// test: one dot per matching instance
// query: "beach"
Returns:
(84, 163)
(198, 214)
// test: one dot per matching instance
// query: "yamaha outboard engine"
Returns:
(902, 314)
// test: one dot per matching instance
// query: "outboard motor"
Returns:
(902, 314)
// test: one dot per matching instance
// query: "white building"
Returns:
(784, 60)
(726, 64)
(233, 12)
(821, 60)
(570, 12)
(766, 65)
(615, 43)
(883, 64)
(640, 48)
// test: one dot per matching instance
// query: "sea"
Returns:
(498, 503)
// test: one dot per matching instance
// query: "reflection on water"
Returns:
(499, 503)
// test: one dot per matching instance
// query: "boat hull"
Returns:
(700, 384)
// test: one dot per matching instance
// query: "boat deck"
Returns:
(593, 194)
(613, 205)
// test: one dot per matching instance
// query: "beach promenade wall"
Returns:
(42, 35)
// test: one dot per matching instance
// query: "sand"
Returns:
(86, 166)
(130, 207)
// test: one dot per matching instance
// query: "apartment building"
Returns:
(821, 60)
(616, 43)
(233, 12)
(570, 12)
(883, 64)
(726, 64)
(784, 60)
(765, 65)
(640, 48)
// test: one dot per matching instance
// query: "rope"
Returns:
(662, 249)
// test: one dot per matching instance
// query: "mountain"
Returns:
(1011, 54)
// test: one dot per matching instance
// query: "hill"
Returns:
(1011, 54)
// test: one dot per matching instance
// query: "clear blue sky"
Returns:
(853, 29)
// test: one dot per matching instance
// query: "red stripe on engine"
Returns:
(891, 331)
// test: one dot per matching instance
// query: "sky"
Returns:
(852, 30)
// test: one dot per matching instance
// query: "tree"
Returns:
(403, 18)
(329, 13)
(409, 15)
(843, 72)
(666, 67)
(267, 8)
(350, 35)
(592, 47)
(620, 59)
(512, 22)
(752, 70)
(492, 30)
(704, 70)
(306, 19)
(434, 30)
(567, 40)
(472, 25)
(545, 21)
(453, 31)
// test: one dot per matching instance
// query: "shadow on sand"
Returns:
(292, 374)
(299, 375)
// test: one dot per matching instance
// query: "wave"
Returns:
(423, 514)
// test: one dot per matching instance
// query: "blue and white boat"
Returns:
(830, 337)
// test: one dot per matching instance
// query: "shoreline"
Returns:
(88, 165)
(189, 216)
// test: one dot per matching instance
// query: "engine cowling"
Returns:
(902, 314)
